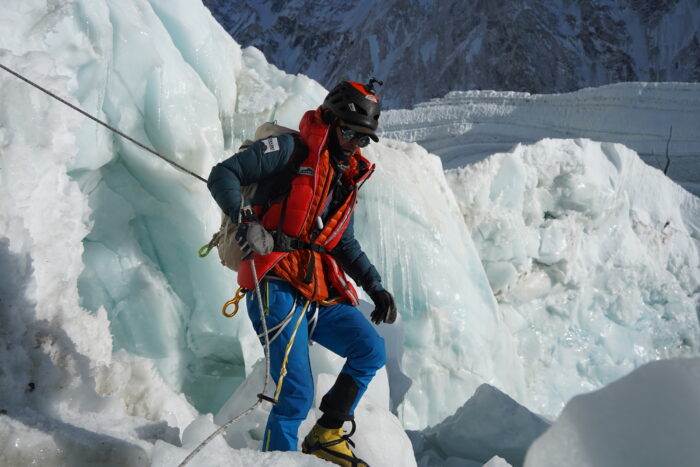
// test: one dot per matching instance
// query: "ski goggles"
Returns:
(349, 134)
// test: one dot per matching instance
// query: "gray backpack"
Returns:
(225, 239)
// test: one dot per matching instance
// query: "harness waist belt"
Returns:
(285, 243)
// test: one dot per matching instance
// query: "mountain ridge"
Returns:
(424, 49)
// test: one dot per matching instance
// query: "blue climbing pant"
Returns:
(340, 328)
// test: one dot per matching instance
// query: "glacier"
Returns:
(546, 271)
(654, 119)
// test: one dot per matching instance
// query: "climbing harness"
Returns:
(312, 324)
(279, 327)
(261, 396)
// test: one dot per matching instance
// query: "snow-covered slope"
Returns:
(646, 419)
(424, 49)
(464, 127)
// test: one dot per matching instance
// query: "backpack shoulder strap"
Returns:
(284, 179)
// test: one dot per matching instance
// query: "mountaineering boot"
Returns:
(333, 445)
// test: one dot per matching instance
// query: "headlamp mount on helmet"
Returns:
(370, 85)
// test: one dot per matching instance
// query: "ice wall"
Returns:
(410, 225)
(175, 80)
(593, 257)
(65, 398)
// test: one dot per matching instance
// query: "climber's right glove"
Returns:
(252, 237)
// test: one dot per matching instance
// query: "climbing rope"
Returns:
(97, 120)
(262, 395)
(283, 370)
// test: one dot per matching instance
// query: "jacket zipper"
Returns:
(318, 160)
(348, 212)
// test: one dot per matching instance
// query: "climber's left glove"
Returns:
(384, 307)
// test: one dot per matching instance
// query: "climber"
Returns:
(299, 232)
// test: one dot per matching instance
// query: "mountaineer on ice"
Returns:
(299, 233)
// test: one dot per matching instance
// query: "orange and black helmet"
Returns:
(356, 104)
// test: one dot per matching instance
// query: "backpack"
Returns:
(225, 239)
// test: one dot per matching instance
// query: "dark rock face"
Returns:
(423, 49)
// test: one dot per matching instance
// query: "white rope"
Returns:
(278, 328)
(223, 427)
(313, 322)
(97, 120)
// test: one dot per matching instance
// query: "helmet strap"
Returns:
(327, 116)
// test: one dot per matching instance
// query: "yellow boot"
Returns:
(332, 445)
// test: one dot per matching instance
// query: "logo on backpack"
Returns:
(271, 145)
(306, 171)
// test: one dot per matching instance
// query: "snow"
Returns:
(496, 461)
(595, 272)
(377, 428)
(544, 272)
(489, 423)
(648, 418)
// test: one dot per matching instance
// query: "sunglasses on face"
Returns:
(349, 134)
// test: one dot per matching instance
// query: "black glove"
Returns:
(252, 237)
(384, 307)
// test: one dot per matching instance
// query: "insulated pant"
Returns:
(340, 328)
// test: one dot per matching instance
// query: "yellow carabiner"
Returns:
(240, 293)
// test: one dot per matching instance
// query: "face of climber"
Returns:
(350, 139)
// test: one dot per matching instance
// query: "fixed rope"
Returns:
(261, 396)
(97, 120)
